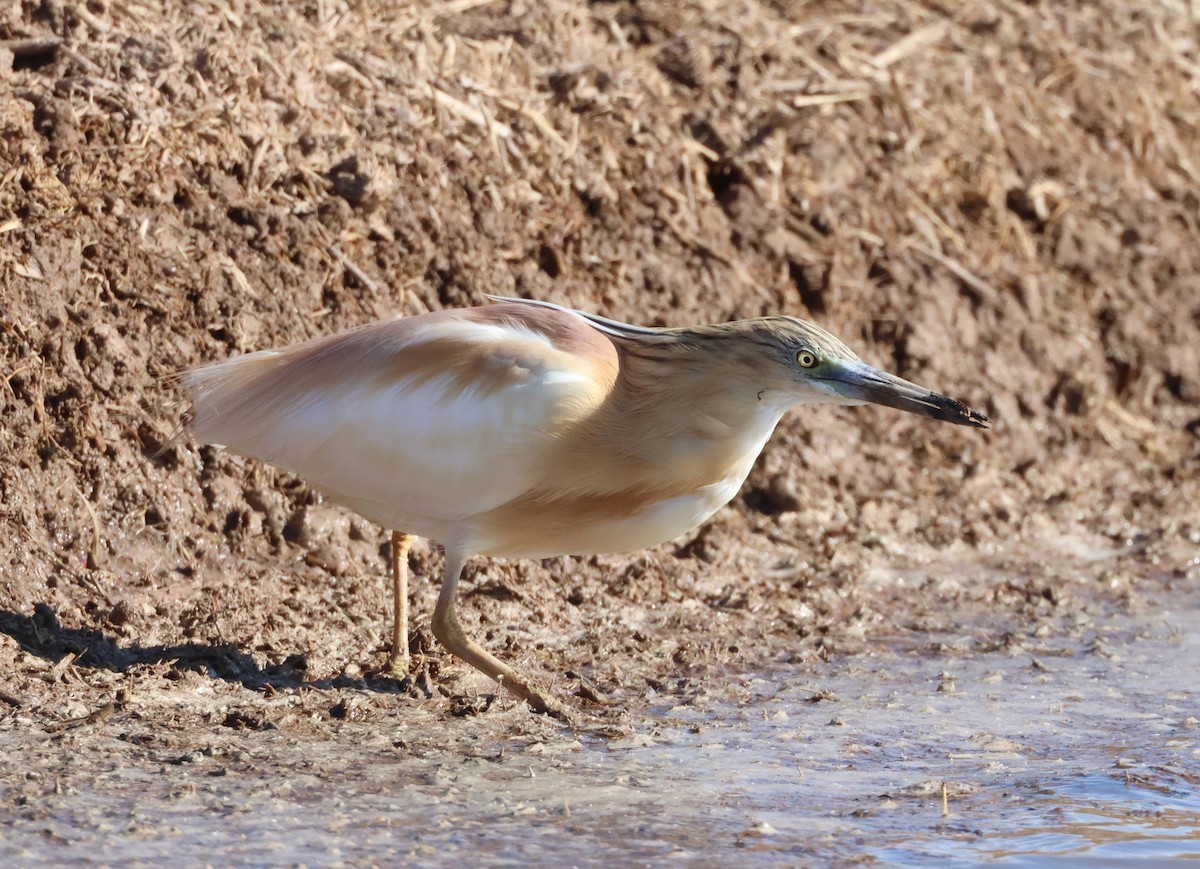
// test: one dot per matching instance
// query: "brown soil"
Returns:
(995, 199)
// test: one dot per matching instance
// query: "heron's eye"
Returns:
(806, 359)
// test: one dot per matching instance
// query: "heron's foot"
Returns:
(562, 714)
(398, 667)
(548, 705)
(538, 700)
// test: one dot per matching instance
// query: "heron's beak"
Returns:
(861, 382)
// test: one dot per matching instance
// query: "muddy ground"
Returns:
(995, 199)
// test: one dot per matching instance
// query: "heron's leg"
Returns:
(398, 661)
(450, 634)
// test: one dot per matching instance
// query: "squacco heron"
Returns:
(523, 429)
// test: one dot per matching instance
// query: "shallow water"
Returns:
(1081, 753)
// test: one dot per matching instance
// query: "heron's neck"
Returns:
(670, 427)
(689, 416)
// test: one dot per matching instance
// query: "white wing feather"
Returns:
(412, 452)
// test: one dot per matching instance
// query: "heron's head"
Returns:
(798, 362)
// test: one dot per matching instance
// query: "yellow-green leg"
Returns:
(450, 634)
(398, 661)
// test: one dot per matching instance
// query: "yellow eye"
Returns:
(806, 358)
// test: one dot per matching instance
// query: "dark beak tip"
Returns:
(961, 414)
(973, 418)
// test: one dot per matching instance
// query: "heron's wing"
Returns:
(441, 415)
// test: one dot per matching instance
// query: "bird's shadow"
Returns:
(42, 634)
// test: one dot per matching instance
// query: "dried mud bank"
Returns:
(998, 200)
